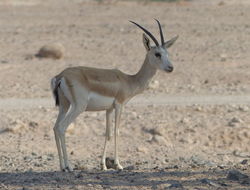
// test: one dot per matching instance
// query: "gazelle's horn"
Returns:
(147, 32)
(162, 38)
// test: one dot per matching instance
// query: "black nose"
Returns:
(170, 68)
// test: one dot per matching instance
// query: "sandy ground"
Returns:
(199, 141)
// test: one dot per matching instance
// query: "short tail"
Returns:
(55, 84)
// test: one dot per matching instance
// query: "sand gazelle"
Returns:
(79, 89)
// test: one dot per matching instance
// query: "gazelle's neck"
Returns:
(143, 76)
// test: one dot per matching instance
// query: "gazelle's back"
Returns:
(104, 81)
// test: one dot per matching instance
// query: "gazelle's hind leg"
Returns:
(63, 125)
(63, 108)
(78, 103)
(107, 138)
(58, 142)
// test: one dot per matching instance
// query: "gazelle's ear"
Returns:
(169, 43)
(146, 42)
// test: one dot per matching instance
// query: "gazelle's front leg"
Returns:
(118, 111)
(107, 137)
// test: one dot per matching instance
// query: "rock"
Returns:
(27, 158)
(223, 57)
(243, 108)
(197, 161)
(198, 108)
(185, 120)
(159, 139)
(206, 81)
(3, 186)
(129, 168)
(154, 84)
(4, 61)
(71, 129)
(15, 127)
(134, 114)
(53, 50)
(29, 57)
(33, 124)
(34, 154)
(236, 175)
(157, 131)
(25, 188)
(176, 186)
(234, 121)
(142, 149)
(221, 3)
(244, 162)
(209, 182)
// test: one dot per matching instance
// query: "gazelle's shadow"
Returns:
(123, 179)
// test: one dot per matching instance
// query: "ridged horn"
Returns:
(162, 38)
(147, 32)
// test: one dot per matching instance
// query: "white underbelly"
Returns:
(97, 102)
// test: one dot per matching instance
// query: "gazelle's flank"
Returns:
(79, 89)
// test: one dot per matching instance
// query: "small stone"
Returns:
(29, 57)
(234, 121)
(159, 139)
(16, 127)
(4, 61)
(71, 129)
(243, 108)
(185, 120)
(223, 57)
(154, 84)
(134, 114)
(130, 168)
(200, 162)
(3, 186)
(221, 3)
(198, 108)
(53, 50)
(34, 154)
(209, 182)
(236, 175)
(206, 81)
(142, 149)
(33, 124)
(176, 185)
(157, 131)
(27, 158)
(79, 175)
(244, 162)
(38, 165)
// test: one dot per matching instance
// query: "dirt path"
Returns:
(162, 99)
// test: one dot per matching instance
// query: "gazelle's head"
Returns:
(158, 55)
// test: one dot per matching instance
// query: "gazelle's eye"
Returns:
(158, 55)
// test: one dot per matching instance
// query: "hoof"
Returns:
(103, 167)
(67, 169)
(118, 167)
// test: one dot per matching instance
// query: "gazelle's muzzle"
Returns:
(169, 69)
